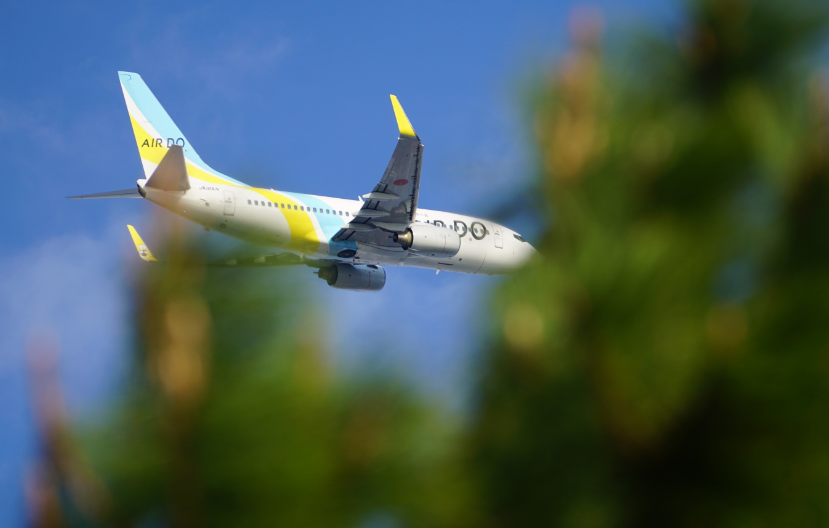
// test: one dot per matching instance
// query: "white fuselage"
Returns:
(304, 225)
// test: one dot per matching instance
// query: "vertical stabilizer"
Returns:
(155, 132)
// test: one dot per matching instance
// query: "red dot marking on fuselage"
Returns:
(401, 182)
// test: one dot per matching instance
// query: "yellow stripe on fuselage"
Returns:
(304, 237)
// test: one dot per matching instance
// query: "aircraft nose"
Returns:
(526, 253)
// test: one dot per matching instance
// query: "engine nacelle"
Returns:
(427, 240)
(343, 276)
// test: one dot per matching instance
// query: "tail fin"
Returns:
(155, 132)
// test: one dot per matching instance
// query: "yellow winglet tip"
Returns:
(140, 246)
(403, 123)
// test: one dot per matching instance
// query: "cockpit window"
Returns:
(519, 237)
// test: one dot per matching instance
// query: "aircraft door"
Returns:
(499, 239)
(230, 203)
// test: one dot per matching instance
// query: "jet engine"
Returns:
(427, 240)
(343, 276)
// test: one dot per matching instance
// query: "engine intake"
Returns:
(429, 240)
(343, 276)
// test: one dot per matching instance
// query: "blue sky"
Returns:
(293, 97)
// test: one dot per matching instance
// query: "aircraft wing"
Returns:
(393, 202)
(262, 261)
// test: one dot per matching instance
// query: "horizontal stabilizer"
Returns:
(126, 193)
(143, 250)
(171, 173)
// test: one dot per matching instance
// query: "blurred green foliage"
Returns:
(665, 363)
(236, 417)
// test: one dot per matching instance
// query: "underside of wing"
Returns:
(392, 204)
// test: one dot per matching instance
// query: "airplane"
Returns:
(348, 241)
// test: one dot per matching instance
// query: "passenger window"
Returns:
(248, 202)
(341, 213)
(328, 211)
(315, 209)
(346, 214)
(270, 204)
(282, 205)
(256, 202)
(294, 208)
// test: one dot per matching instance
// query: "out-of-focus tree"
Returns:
(61, 488)
(235, 416)
(666, 363)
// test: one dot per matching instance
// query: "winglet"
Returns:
(143, 250)
(403, 123)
